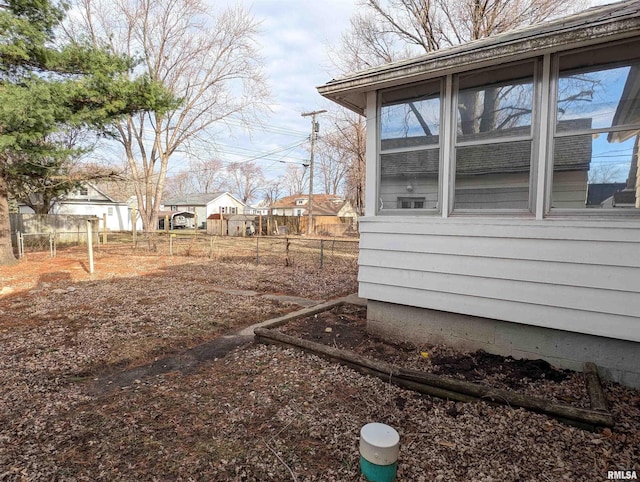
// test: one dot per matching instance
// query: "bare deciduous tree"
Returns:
(207, 61)
(179, 185)
(207, 175)
(272, 191)
(296, 179)
(200, 177)
(352, 130)
(245, 179)
(429, 25)
(332, 162)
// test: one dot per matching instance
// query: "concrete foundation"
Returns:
(617, 360)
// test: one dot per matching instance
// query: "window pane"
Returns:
(410, 139)
(495, 111)
(599, 99)
(410, 123)
(493, 176)
(596, 171)
(409, 174)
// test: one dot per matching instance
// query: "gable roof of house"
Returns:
(595, 25)
(81, 199)
(323, 204)
(120, 189)
(198, 199)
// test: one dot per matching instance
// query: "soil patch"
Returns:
(344, 327)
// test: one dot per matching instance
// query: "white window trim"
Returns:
(379, 210)
(531, 138)
(545, 81)
(567, 213)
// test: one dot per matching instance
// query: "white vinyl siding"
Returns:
(584, 279)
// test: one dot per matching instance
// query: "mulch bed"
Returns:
(344, 327)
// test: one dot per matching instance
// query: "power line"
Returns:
(267, 155)
(271, 128)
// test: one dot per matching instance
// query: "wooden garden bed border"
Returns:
(442, 387)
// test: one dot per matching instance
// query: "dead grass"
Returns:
(260, 413)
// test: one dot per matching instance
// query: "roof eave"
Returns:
(576, 31)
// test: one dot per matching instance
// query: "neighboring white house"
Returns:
(480, 158)
(260, 209)
(205, 204)
(89, 200)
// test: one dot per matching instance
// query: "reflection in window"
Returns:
(411, 202)
(495, 111)
(410, 148)
(596, 144)
(493, 144)
(598, 97)
(595, 171)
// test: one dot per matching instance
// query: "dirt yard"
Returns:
(259, 412)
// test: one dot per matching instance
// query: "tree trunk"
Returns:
(7, 257)
(489, 111)
(467, 106)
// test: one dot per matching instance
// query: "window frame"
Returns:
(380, 210)
(624, 58)
(546, 76)
(532, 138)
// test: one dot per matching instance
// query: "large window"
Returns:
(493, 139)
(410, 148)
(595, 159)
(486, 147)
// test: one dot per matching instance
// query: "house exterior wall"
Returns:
(579, 277)
(89, 201)
(225, 201)
(532, 282)
(290, 212)
(583, 278)
(118, 215)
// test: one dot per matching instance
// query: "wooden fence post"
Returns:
(90, 245)
(286, 261)
(104, 227)
(20, 240)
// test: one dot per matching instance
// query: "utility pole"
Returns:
(315, 127)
